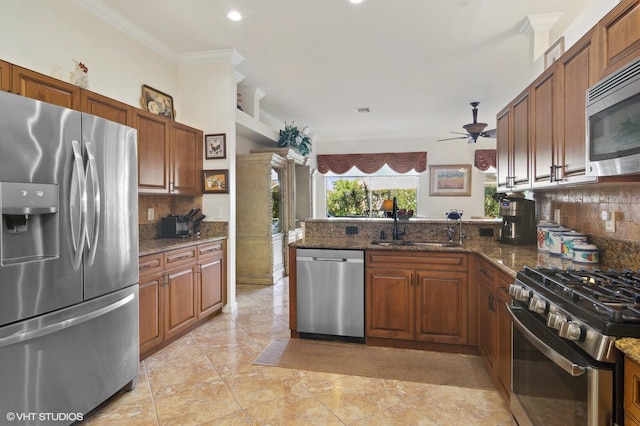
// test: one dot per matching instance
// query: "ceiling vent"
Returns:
(362, 110)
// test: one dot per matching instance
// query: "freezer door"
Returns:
(111, 250)
(71, 360)
(37, 246)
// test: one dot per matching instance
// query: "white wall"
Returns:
(46, 36)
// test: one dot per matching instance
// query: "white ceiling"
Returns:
(416, 63)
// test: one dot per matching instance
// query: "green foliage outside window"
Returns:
(491, 205)
(351, 197)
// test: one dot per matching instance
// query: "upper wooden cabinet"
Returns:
(186, 159)
(44, 88)
(513, 142)
(101, 106)
(558, 117)
(618, 37)
(5, 76)
(154, 152)
(169, 155)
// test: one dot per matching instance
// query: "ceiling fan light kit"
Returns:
(474, 130)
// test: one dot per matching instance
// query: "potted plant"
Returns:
(297, 139)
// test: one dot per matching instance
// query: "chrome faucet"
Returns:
(396, 233)
(455, 215)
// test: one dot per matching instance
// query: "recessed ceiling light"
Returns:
(234, 15)
(357, 1)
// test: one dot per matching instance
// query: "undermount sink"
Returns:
(413, 243)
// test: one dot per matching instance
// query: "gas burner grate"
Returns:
(610, 295)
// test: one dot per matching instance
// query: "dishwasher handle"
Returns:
(329, 259)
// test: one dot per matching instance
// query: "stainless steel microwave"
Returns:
(613, 123)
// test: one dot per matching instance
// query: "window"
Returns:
(357, 194)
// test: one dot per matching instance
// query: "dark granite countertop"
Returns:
(158, 245)
(508, 258)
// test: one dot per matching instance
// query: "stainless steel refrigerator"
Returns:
(68, 261)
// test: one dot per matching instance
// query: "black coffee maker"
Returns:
(518, 221)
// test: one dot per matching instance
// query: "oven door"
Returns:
(552, 382)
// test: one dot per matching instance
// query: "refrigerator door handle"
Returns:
(78, 240)
(95, 234)
(52, 328)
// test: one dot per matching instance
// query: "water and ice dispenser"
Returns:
(30, 229)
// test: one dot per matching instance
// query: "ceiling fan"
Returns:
(475, 129)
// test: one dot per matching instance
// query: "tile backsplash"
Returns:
(581, 207)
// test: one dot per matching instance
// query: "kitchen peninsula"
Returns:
(446, 297)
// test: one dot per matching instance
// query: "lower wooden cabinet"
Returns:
(494, 323)
(178, 289)
(417, 296)
(211, 270)
(631, 394)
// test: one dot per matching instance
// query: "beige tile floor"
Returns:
(207, 378)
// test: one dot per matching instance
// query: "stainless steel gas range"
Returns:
(565, 367)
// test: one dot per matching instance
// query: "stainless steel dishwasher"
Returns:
(330, 292)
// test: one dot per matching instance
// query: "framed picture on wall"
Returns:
(215, 181)
(215, 146)
(157, 103)
(450, 180)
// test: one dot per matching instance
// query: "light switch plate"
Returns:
(610, 224)
(150, 214)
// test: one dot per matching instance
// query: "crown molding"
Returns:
(239, 77)
(541, 22)
(125, 25)
(211, 56)
(270, 120)
(115, 19)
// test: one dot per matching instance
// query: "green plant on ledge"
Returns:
(299, 140)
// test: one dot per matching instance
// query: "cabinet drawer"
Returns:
(210, 250)
(486, 271)
(150, 264)
(432, 261)
(180, 257)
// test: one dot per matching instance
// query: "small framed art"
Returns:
(157, 103)
(215, 146)
(215, 181)
(450, 180)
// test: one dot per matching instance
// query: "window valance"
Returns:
(485, 158)
(401, 162)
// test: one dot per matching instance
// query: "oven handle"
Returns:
(559, 360)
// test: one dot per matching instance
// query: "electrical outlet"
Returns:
(351, 230)
(217, 213)
(610, 224)
(556, 216)
(150, 214)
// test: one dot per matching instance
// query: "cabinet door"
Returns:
(504, 149)
(151, 306)
(43, 88)
(151, 311)
(5, 76)
(179, 300)
(543, 135)
(186, 155)
(521, 136)
(619, 37)
(487, 322)
(389, 303)
(153, 152)
(441, 306)
(210, 285)
(503, 337)
(104, 107)
(576, 67)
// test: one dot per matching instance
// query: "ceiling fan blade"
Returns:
(450, 139)
(489, 134)
(459, 133)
